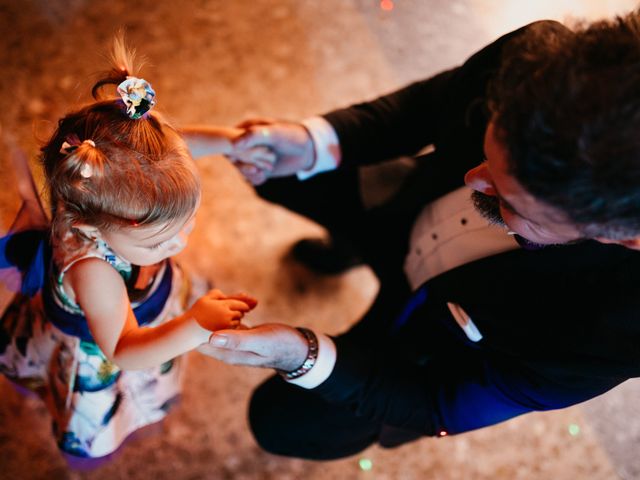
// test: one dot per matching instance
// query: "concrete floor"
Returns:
(221, 62)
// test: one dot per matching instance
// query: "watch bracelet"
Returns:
(309, 361)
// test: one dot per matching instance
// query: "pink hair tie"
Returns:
(71, 145)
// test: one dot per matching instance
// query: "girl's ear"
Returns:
(88, 231)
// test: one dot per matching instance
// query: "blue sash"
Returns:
(76, 325)
(30, 253)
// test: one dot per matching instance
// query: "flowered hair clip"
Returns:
(137, 95)
(70, 145)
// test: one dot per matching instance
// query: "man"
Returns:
(474, 323)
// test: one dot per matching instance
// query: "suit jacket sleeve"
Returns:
(447, 394)
(403, 122)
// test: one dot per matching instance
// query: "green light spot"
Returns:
(365, 464)
(574, 430)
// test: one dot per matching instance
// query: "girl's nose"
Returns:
(479, 179)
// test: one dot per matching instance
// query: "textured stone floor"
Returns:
(221, 62)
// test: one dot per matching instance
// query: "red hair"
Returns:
(141, 172)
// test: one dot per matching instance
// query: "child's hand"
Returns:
(205, 140)
(216, 311)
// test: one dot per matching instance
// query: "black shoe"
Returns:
(324, 256)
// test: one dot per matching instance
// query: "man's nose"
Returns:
(479, 179)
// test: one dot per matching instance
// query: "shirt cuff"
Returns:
(325, 144)
(322, 368)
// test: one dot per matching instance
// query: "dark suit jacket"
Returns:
(560, 324)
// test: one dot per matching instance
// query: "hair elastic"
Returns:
(137, 95)
(71, 145)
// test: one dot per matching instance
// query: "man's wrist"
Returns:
(313, 154)
(323, 367)
(326, 147)
(310, 359)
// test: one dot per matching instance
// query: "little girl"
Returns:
(99, 336)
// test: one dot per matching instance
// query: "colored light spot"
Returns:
(442, 433)
(574, 430)
(365, 464)
(386, 5)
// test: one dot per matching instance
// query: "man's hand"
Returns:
(271, 345)
(289, 142)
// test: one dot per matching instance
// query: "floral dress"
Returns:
(45, 346)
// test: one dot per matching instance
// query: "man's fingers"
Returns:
(261, 156)
(232, 357)
(228, 339)
(253, 137)
(251, 340)
(262, 340)
(253, 174)
(245, 168)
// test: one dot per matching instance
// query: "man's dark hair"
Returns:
(567, 107)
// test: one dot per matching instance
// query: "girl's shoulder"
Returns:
(70, 264)
(99, 250)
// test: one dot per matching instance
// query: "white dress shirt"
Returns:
(449, 232)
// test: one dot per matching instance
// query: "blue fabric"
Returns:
(488, 391)
(416, 300)
(77, 326)
(28, 252)
(479, 402)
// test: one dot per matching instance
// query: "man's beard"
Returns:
(489, 208)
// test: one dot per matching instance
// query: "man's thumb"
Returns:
(224, 339)
(249, 139)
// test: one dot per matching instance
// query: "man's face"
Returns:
(502, 200)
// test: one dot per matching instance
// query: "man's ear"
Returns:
(88, 231)
(632, 243)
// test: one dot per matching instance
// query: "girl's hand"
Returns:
(205, 140)
(217, 311)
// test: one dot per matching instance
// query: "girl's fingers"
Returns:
(237, 305)
(246, 298)
(216, 294)
(250, 122)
